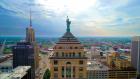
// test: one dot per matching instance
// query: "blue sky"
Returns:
(89, 17)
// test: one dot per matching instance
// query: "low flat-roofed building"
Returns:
(123, 62)
(6, 66)
(122, 74)
(20, 72)
(96, 70)
(4, 75)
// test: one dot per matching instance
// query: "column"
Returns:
(71, 71)
(64, 72)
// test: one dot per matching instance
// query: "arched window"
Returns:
(68, 62)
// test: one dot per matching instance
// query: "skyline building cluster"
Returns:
(69, 59)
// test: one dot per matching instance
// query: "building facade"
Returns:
(97, 70)
(122, 74)
(23, 55)
(135, 53)
(68, 60)
(6, 66)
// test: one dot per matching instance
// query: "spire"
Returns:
(30, 19)
(68, 24)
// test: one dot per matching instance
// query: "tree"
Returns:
(47, 74)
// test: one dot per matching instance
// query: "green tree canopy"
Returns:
(47, 74)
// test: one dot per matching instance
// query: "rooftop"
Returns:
(136, 38)
(95, 65)
(6, 63)
(68, 37)
(18, 72)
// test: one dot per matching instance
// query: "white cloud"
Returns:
(99, 17)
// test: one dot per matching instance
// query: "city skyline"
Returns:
(67, 57)
(94, 18)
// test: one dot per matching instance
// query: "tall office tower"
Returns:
(27, 53)
(135, 53)
(30, 35)
(68, 60)
(23, 55)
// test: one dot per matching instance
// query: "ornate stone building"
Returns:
(68, 60)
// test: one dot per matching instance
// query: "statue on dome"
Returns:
(68, 24)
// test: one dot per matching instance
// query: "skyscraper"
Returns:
(68, 60)
(27, 53)
(23, 55)
(135, 53)
(30, 35)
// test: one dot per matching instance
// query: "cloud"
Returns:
(99, 17)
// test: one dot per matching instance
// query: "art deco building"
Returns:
(30, 35)
(68, 60)
(27, 53)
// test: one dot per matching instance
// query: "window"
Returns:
(55, 68)
(81, 69)
(76, 47)
(63, 73)
(73, 54)
(62, 54)
(81, 62)
(69, 54)
(55, 75)
(55, 62)
(68, 72)
(66, 55)
(60, 47)
(70, 47)
(73, 68)
(80, 75)
(79, 54)
(73, 75)
(56, 54)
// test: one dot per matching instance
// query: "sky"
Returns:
(88, 17)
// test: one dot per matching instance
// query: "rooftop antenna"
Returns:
(30, 18)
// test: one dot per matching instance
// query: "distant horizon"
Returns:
(61, 36)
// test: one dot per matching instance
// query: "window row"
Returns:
(58, 54)
(56, 62)
(81, 47)
(68, 69)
